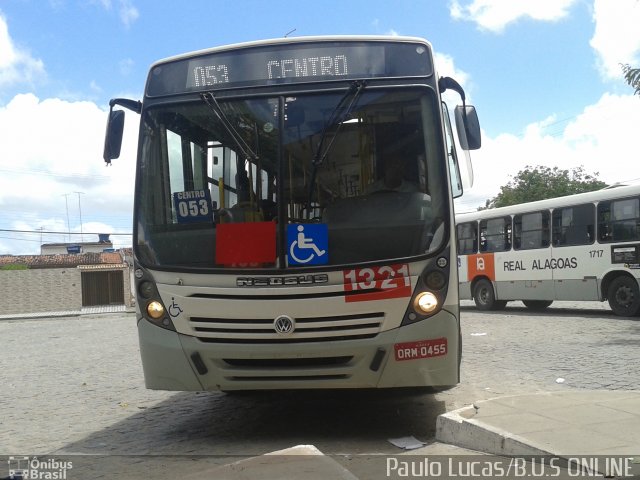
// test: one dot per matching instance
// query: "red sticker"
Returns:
(246, 244)
(377, 283)
(420, 349)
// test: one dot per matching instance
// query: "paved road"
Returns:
(75, 385)
(517, 350)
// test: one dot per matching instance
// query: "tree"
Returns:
(632, 77)
(538, 183)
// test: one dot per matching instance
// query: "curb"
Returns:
(69, 313)
(33, 316)
(459, 428)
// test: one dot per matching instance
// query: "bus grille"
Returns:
(299, 370)
(310, 329)
(288, 362)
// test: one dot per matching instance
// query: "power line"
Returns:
(59, 175)
(20, 239)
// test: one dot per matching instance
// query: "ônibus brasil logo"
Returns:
(26, 468)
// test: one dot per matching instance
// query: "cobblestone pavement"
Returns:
(579, 345)
(75, 386)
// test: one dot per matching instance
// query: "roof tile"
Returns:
(61, 260)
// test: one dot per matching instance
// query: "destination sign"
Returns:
(284, 66)
(290, 63)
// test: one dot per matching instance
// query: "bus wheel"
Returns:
(485, 297)
(537, 305)
(624, 296)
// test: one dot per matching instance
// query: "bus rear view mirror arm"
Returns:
(448, 83)
(467, 123)
(133, 105)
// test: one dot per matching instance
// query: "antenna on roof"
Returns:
(289, 32)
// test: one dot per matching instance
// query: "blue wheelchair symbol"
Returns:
(308, 244)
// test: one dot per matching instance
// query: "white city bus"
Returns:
(264, 257)
(579, 247)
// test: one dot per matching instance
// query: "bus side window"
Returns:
(619, 220)
(604, 217)
(574, 225)
(495, 234)
(626, 214)
(467, 234)
(531, 230)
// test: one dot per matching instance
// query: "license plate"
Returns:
(420, 349)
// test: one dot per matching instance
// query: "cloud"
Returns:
(128, 13)
(617, 35)
(601, 138)
(126, 66)
(16, 65)
(126, 10)
(446, 68)
(95, 87)
(106, 4)
(495, 15)
(53, 147)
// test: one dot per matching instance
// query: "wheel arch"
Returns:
(477, 278)
(610, 277)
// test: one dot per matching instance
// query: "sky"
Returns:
(544, 76)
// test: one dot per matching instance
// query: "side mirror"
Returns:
(468, 127)
(113, 137)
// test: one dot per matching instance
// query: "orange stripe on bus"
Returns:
(481, 264)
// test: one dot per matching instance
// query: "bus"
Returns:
(578, 247)
(273, 246)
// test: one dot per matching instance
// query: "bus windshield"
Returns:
(311, 179)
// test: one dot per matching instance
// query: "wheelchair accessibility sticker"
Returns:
(307, 244)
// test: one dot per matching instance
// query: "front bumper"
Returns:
(173, 361)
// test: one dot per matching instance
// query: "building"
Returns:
(102, 245)
(63, 282)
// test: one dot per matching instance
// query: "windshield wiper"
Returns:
(244, 148)
(354, 92)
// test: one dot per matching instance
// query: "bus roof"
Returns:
(294, 40)
(607, 193)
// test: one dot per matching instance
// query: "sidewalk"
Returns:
(561, 424)
(572, 425)
(70, 313)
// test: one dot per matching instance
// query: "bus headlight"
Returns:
(425, 302)
(155, 310)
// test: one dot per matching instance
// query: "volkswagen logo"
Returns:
(284, 325)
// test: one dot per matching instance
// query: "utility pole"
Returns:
(66, 201)
(80, 209)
